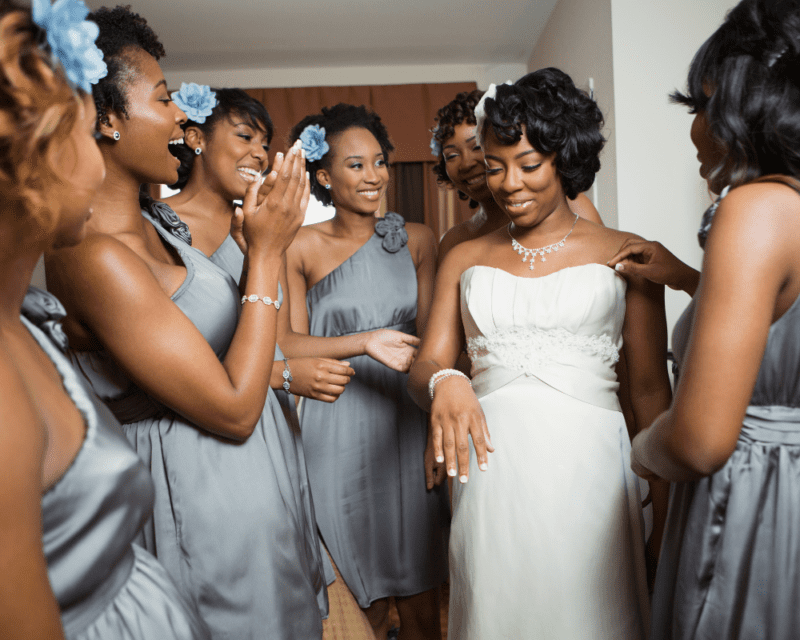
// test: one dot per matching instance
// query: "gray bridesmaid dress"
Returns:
(106, 587)
(386, 533)
(233, 521)
(729, 561)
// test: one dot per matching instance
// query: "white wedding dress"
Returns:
(548, 542)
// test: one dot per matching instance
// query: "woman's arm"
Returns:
(422, 243)
(393, 348)
(28, 609)
(112, 292)
(750, 275)
(455, 411)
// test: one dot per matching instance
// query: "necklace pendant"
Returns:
(531, 267)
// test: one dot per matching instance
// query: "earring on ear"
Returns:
(328, 187)
(116, 135)
(198, 151)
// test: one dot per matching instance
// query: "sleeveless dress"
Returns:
(386, 533)
(548, 542)
(233, 521)
(731, 549)
(106, 587)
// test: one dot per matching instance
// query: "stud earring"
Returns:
(328, 187)
(116, 135)
(198, 151)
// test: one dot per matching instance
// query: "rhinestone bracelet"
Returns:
(440, 375)
(266, 300)
(287, 375)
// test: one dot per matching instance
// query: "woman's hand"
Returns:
(317, 378)
(395, 349)
(638, 458)
(456, 414)
(653, 261)
(435, 472)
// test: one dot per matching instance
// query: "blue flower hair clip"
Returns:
(195, 100)
(72, 40)
(313, 141)
(436, 147)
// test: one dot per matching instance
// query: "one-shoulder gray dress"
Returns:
(106, 587)
(730, 561)
(233, 522)
(386, 533)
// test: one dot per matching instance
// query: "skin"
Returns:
(41, 429)
(358, 177)
(750, 277)
(124, 257)
(221, 174)
(518, 174)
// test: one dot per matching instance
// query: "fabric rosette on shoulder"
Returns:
(195, 100)
(391, 229)
(72, 40)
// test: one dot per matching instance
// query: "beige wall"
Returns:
(577, 40)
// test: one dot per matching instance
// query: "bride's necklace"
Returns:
(530, 254)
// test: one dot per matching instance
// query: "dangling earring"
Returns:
(116, 135)
(328, 187)
(198, 151)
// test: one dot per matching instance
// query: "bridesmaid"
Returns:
(731, 439)
(74, 494)
(386, 533)
(182, 361)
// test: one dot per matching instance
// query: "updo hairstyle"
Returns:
(746, 80)
(231, 103)
(38, 111)
(558, 119)
(336, 120)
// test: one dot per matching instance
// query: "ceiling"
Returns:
(218, 34)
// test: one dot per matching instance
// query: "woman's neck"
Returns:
(200, 200)
(116, 207)
(353, 225)
(18, 258)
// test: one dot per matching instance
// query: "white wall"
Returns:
(577, 40)
(483, 74)
(659, 191)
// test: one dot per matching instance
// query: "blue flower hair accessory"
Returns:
(390, 228)
(72, 40)
(436, 147)
(313, 140)
(195, 100)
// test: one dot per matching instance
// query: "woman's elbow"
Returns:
(702, 454)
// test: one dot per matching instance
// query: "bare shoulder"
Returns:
(308, 238)
(467, 254)
(462, 232)
(420, 238)
(764, 208)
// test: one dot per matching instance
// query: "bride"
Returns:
(547, 540)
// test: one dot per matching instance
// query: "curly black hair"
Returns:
(336, 120)
(122, 32)
(750, 68)
(231, 103)
(558, 118)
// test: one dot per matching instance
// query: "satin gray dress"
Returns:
(233, 521)
(386, 533)
(106, 587)
(730, 561)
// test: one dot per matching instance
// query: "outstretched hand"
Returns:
(653, 261)
(395, 349)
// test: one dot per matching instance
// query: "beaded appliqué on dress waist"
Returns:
(528, 348)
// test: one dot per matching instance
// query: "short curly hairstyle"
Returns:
(337, 120)
(459, 110)
(122, 34)
(38, 109)
(750, 67)
(558, 118)
(230, 104)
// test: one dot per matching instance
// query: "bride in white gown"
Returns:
(547, 538)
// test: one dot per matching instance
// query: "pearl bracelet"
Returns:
(440, 375)
(266, 300)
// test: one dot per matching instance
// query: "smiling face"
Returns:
(233, 157)
(79, 165)
(524, 182)
(153, 121)
(464, 163)
(358, 173)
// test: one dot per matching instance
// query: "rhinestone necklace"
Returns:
(530, 254)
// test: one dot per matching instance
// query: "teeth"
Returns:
(518, 205)
(176, 141)
(369, 193)
(252, 172)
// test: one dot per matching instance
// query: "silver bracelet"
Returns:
(266, 300)
(287, 375)
(440, 375)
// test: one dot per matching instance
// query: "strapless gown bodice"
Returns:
(564, 328)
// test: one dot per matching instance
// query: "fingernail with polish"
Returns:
(483, 466)
(439, 458)
(451, 472)
(463, 479)
(619, 267)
